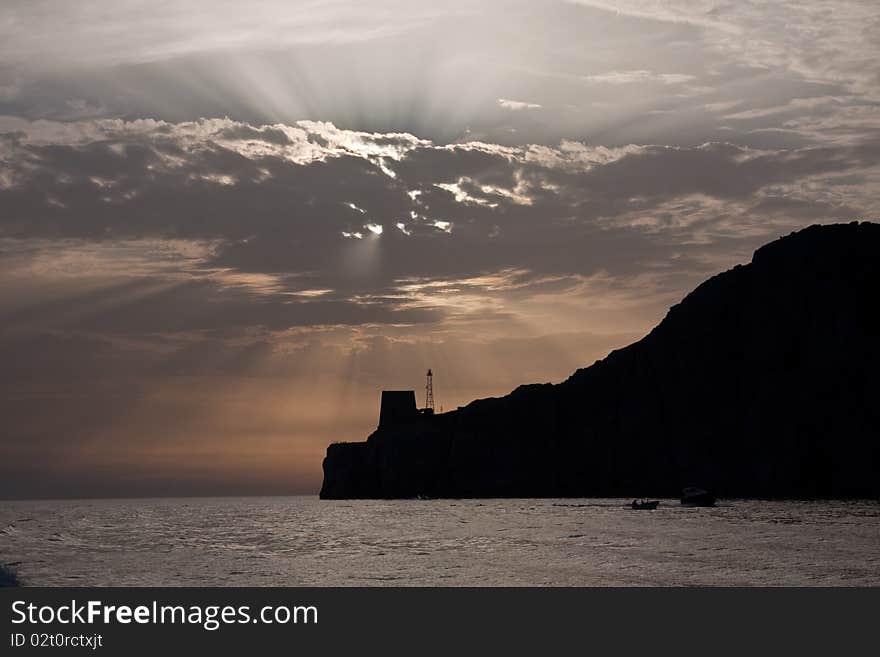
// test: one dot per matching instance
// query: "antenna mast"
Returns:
(429, 392)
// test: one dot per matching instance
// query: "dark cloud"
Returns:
(275, 205)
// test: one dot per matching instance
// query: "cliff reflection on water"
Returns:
(302, 541)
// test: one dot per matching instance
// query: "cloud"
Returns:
(255, 218)
(89, 169)
(817, 39)
(9, 92)
(517, 104)
(172, 29)
(641, 75)
(651, 75)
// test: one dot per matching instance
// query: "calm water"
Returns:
(303, 541)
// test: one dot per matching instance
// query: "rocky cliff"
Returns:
(762, 382)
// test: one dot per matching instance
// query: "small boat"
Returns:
(697, 497)
(644, 504)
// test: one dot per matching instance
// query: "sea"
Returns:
(294, 541)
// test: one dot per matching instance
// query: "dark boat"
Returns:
(642, 504)
(697, 497)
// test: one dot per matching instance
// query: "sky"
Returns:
(225, 227)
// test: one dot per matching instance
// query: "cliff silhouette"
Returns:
(762, 382)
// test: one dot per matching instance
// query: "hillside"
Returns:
(762, 382)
